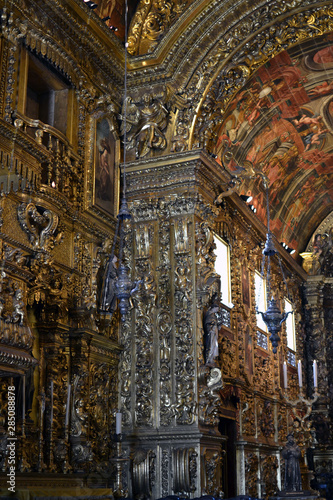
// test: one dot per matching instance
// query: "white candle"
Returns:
(118, 422)
(51, 404)
(68, 405)
(285, 379)
(299, 367)
(315, 374)
(23, 398)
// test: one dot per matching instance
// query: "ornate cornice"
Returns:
(175, 172)
(219, 27)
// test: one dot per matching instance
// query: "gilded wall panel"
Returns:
(248, 415)
(228, 357)
(184, 341)
(165, 471)
(165, 323)
(251, 473)
(269, 468)
(144, 301)
(266, 419)
(11, 224)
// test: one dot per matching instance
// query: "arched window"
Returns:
(290, 326)
(222, 267)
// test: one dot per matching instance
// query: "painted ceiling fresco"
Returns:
(112, 13)
(281, 125)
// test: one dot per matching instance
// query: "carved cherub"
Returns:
(18, 305)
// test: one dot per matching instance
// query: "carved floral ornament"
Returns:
(40, 224)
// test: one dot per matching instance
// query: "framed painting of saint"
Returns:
(105, 161)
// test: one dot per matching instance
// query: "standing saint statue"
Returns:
(292, 453)
(211, 323)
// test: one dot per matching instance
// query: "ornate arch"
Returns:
(236, 56)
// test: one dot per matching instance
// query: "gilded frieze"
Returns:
(68, 51)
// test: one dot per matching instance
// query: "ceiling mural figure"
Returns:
(280, 125)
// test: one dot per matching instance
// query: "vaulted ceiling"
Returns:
(280, 125)
(271, 79)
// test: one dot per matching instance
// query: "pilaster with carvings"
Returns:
(164, 322)
(317, 344)
(184, 324)
(144, 301)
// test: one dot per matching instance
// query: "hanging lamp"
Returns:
(273, 317)
(117, 283)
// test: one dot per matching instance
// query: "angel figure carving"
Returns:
(18, 304)
(144, 124)
(246, 171)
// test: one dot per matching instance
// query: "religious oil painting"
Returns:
(281, 127)
(105, 156)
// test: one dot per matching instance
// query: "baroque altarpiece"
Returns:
(222, 99)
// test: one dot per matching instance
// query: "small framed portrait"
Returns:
(246, 287)
(105, 181)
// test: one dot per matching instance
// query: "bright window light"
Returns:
(290, 326)
(260, 289)
(222, 267)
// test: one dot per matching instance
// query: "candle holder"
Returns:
(304, 433)
(119, 461)
(66, 467)
(302, 408)
(52, 466)
(41, 466)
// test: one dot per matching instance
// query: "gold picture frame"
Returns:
(105, 166)
(102, 167)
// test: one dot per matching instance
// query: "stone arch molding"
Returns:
(230, 63)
